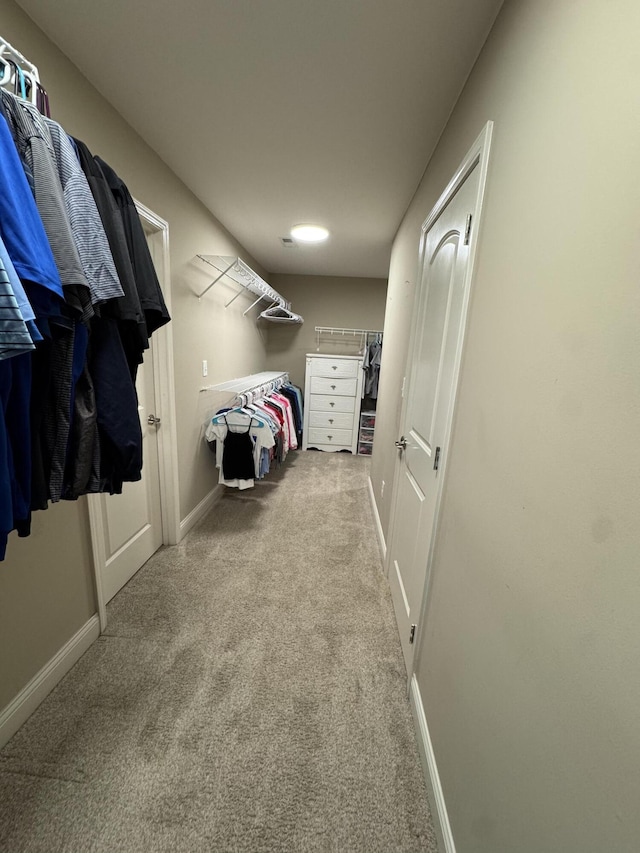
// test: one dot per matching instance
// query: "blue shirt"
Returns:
(21, 227)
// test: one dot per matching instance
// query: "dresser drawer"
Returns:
(326, 403)
(342, 368)
(331, 420)
(334, 387)
(330, 436)
(332, 448)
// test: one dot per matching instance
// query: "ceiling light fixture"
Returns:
(309, 233)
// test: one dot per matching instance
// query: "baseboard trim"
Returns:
(30, 697)
(430, 769)
(376, 520)
(200, 510)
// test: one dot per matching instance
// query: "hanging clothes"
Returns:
(237, 454)
(15, 337)
(127, 310)
(371, 367)
(147, 284)
(84, 219)
(258, 433)
(270, 422)
(36, 149)
(79, 299)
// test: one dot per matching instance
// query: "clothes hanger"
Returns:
(280, 314)
(6, 70)
(237, 410)
(32, 88)
(43, 99)
(20, 80)
(11, 78)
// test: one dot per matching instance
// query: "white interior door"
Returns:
(129, 525)
(132, 521)
(433, 358)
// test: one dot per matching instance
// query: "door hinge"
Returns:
(467, 230)
(436, 459)
(412, 634)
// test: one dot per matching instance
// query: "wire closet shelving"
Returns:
(240, 273)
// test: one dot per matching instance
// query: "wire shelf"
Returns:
(240, 273)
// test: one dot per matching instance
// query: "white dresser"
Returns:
(332, 397)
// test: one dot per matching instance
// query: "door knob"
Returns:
(402, 443)
(152, 420)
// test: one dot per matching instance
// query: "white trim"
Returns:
(200, 510)
(430, 769)
(378, 524)
(478, 153)
(29, 698)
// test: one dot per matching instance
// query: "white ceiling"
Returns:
(276, 112)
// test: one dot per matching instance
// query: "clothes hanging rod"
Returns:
(7, 49)
(335, 330)
(247, 384)
(241, 273)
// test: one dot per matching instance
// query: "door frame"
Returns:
(476, 157)
(164, 388)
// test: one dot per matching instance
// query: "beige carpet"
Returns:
(249, 694)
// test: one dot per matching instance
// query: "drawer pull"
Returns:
(332, 404)
(334, 366)
(333, 387)
(330, 420)
(330, 437)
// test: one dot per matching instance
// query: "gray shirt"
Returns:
(36, 149)
(84, 219)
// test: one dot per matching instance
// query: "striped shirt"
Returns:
(24, 306)
(20, 224)
(14, 335)
(86, 225)
(35, 147)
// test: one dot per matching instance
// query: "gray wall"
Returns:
(528, 665)
(352, 303)
(46, 590)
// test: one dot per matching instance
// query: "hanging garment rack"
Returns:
(334, 330)
(11, 59)
(238, 392)
(252, 387)
(242, 274)
(363, 334)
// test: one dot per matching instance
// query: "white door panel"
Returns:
(132, 521)
(439, 322)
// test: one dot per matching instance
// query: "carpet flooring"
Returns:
(248, 696)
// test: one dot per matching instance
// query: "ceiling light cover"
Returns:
(309, 233)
